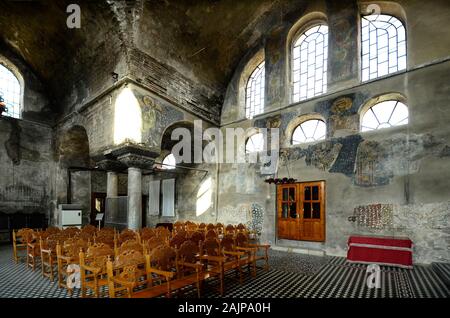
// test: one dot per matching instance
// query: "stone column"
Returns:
(134, 198)
(112, 184)
(135, 158)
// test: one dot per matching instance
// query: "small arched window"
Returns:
(11, 91)
(384, 115)
(309, 63)
(309, 131)
(383, 43)
(169, 162)
(255, 143)
(254, 93)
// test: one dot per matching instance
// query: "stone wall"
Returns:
(27, 167)
(403, 171)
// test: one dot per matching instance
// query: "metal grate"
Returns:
(309, 63)
(383, 41)
(10, 90)
(254, 103)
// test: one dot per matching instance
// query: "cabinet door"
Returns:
(288, 212)
(312, 220)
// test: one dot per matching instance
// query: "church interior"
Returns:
(224, 149)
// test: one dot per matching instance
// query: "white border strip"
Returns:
(381, 263)
(384, 247)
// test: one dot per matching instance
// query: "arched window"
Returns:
(255, 143)
(10, 90)
(309, 63)
(384, 115)
(308, 131)
(169, 162)
(254, 102)
(383, 43)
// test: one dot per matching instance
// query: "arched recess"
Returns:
(303, 24)
(251, 65)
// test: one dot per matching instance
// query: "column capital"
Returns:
(132, 160)
(111, 165)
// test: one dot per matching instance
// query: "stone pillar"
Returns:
(134, 198)
(112, 184)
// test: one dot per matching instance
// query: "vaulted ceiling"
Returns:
(202, 39)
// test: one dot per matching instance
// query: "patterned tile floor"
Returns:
(291, 275)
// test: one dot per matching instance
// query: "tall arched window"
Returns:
(255, 143)
(10, 90)
(169, 162)
(384, 115)
(383, 43)
(254, 102)
(309, 63)
(309, 131)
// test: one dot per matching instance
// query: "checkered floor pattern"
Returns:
(333, 278)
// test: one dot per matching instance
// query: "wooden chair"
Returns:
(20, 239)
(126, 235)
(202, 227)
(159, 272)
(210, 226)
(243, 243)
(147, 233)
(33, 250)
(129, 245)
(126, 273)
(49, 264)
(211, 257)
(67, 253)
(211, 234)
(93, 269)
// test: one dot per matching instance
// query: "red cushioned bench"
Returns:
(389, 251)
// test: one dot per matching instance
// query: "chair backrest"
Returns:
(177, 240)
(163, 258)
(210, 226)
(227, 243)
(241, 239)
(130, 245)
(210, 246)
(211, 234)
(153, 243)
(188, 252)
(197, 237)
(126, 235)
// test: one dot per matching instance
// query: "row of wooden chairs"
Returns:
(168, 259)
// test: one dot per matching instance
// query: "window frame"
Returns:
(361, 69)
(248, 140)
(301, 123)
(248, 108)
(368, 107)
(13, 69)
(298, 33)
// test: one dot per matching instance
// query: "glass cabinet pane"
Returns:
(315, 193)
(285, 194)
(307, 193)
(316, 210)
(284, 210)
(293, 210)
(291, 194)
(306, 210)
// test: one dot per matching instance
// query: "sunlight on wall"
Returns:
(204, 197)
(127, 118)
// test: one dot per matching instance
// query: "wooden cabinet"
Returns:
(301, 211)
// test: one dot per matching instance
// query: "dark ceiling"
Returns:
(203, 39)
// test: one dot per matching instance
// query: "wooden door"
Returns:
(312, 220)
(288, 216)
(301, 211)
